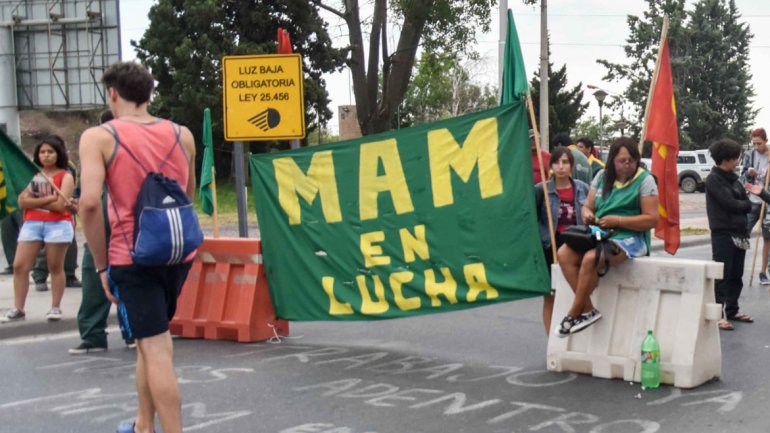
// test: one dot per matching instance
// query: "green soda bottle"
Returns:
(650, 362)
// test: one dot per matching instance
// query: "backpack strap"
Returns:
(177, 132)
(602, 249)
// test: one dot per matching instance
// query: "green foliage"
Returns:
(381, 73)
(186, 39)
(564, 105)
(442, 88)
(718, 88)
(601, 134)
(709, 60)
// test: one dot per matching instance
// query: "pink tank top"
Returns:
(150, 143)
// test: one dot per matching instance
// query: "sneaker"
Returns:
(53, 314)
(41, 287)
(7, 271)
(565, 327)
(585, 320)
(128, 427)
(73, 282)
(86, 347)
(13, 315)
(763, 280)
(131, 344)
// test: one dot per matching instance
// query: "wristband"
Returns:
(101, 271)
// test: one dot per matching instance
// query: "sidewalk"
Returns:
(38, 304)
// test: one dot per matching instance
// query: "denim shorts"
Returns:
(634, 246)
(49, 232)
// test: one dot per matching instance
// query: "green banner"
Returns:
(433, 218)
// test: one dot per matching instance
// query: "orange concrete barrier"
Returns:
(226, 296)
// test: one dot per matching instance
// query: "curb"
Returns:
(686, 241)
(38, 327)
(34, 328)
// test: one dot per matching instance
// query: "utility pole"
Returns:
(544, 139)
(501, 43)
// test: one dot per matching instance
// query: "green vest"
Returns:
(623, 200)
(582, 169)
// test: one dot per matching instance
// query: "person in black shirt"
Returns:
(727, 206)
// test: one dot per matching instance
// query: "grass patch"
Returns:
(227, 205)
(693, 232)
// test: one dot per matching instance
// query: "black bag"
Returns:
(579, 238)
(582, 238)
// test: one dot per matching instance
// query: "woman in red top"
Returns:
(47, 222)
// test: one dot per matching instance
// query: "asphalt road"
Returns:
(475, 371)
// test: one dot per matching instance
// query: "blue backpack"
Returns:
(166, 227)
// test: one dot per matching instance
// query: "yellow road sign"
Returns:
(263, 97)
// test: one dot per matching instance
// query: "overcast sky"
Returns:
(582, 31)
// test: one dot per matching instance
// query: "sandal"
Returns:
(724, 325)
(741, 317)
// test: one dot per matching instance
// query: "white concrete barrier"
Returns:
(673, 297)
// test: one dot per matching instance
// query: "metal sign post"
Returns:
(263, 100)
(240, 190)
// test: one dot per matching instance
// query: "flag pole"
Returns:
(55, 188)
(663, 36)
(214, 201)
(759, 229)
(542, 176)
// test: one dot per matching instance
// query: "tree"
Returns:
(565, 105)
(185, 41)
(380, 82)
(709, 62)
(442, 88)
(718, 88)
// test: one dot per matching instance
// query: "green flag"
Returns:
(207, 166)
(16, 171)
(515, 84)
(438, 217)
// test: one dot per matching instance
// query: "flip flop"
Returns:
(741, 317)
(724, 325)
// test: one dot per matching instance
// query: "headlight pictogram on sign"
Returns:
(267, 119)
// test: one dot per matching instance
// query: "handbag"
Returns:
(582, 238)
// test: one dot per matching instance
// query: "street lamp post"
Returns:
(601, 95)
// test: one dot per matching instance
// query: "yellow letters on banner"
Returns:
(293, 183)
(479, 149)
(414, 244)
(370, 185)
(476, 278)
(370, 306)
(397, 280)
(447, 288)
(373, 253)
(336, 308)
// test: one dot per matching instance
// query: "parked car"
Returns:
(693, 166)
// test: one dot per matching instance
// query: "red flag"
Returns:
(284, 45)
(662, 130)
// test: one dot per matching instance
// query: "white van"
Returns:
(692, 168)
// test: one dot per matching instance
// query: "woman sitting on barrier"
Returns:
(727, 206)
(566, 197)
(623, 199)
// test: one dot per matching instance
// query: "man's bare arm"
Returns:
(188, 141)
(92, 162)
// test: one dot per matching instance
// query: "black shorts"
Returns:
(146, 296)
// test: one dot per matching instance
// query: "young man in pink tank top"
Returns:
(146, 296)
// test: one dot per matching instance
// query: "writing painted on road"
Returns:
(103, 408)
